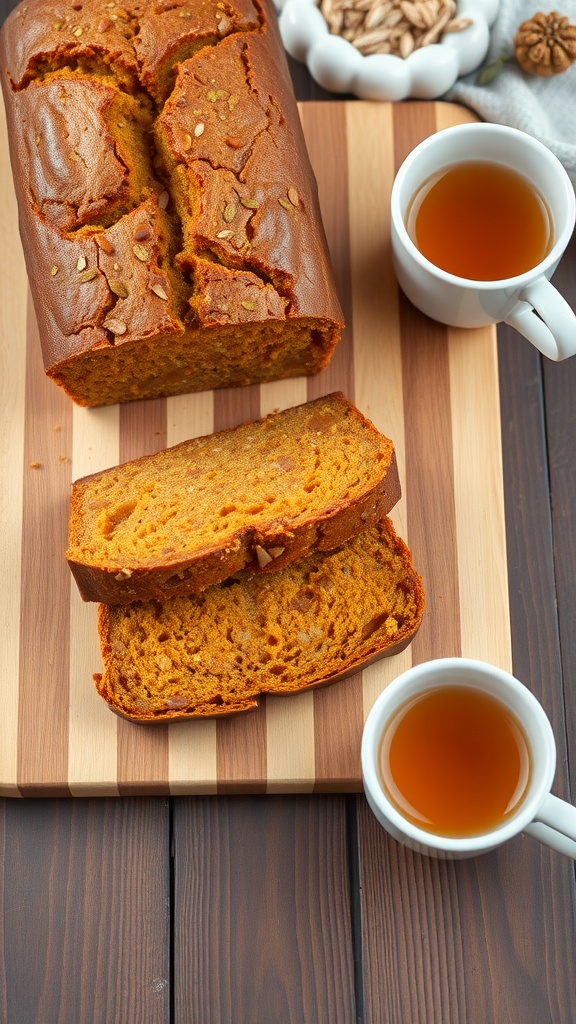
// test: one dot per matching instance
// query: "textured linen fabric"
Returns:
(543, 107)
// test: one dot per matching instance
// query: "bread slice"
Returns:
(262, 494)
(311, 623)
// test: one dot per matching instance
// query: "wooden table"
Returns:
(298, 909)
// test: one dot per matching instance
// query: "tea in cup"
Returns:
(458, 756)
(481, 215)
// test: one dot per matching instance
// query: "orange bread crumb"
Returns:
(262, 494)
(311, 623)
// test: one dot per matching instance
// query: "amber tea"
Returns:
(481, 221)
(455, 761)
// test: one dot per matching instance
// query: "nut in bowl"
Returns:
(388, 50)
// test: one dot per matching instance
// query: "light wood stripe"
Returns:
(189, 416)
(290, 764)
(240, 742)
(376, 677)
(141, 752)
(92, 729)
(12, 384)
(45, 611)
(447, 114)
(478, 497)
(192, 757)
(376, 326)
(192, 764)
(377, 348)
(434, 392)
(282, 394)
(289, 723)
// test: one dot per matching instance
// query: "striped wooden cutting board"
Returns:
(433, 390)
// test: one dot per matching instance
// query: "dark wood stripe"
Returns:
(142, 428)
(241, 753)
(430, 481)
(411, 127)
(142, 759)
(142, 751)
(233, 406)
(429, 457)
(240, 741)
(324, 127)
(338, 721)
(45, 601)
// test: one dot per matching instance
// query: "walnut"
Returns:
(545, 45)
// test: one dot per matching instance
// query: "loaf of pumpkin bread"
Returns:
(262, 494)
(168, 210)
(311, 623)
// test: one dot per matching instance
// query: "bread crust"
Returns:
(267, 546)
(168, 210)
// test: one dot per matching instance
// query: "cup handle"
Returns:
(555, 334)
(555, 825)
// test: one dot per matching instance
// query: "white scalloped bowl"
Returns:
(426, 74)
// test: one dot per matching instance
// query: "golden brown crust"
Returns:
(233, 284)
(309, 625)
(263, 494)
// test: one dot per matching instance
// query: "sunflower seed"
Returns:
(392, 26)
(114, 325)
(118, 287)
(88, 275)
(159, 291)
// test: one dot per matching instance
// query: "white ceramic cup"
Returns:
(540, 814)
(528, 301)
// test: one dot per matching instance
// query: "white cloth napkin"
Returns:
(543, 107)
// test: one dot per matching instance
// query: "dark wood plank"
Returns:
(512, 913)
(262, 928)
(560, 414)
(466, 942)
(5, 7)
(85, 888)
(535, 642)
